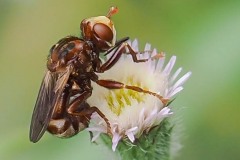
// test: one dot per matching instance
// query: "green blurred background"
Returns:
(204, 34)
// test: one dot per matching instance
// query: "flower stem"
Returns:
(154, 145)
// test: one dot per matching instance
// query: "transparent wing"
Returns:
(50, 91)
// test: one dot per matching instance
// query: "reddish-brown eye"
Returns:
(103, 32)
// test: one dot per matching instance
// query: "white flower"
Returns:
(131, 113)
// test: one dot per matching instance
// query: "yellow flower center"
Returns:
(120, 98)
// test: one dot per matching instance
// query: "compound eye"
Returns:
(103, 32)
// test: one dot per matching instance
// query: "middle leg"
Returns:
(111, 84)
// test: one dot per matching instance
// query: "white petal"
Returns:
(154, 52)
(154, 61)
(131, 137)
(175, 92)
(147, 49)
(115, 140)
(166, 93)
(133, 129)
(160, 64)
(130, 133)
(142, 114)
(151, 117)
(165, 111)
(141, 118)
(175, 75)
(170, 65)
(135, 45)
(182, 80)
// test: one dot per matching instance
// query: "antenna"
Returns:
(112, 11)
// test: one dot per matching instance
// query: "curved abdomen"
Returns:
(65, 127)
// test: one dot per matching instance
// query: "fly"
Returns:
(61, 107)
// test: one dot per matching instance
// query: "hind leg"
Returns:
(79, 107)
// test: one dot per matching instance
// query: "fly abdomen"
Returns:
(64, 128)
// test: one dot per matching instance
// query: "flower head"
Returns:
(131, 113)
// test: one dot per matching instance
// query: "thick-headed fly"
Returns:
(61, 107)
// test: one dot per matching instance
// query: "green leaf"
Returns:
(154, 145)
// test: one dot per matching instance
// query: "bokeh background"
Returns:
(204, 34)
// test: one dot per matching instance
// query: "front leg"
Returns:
(120, 49)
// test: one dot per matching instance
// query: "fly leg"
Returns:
(110, 84)
(121, 48)
(60, 124)
(79, 107)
